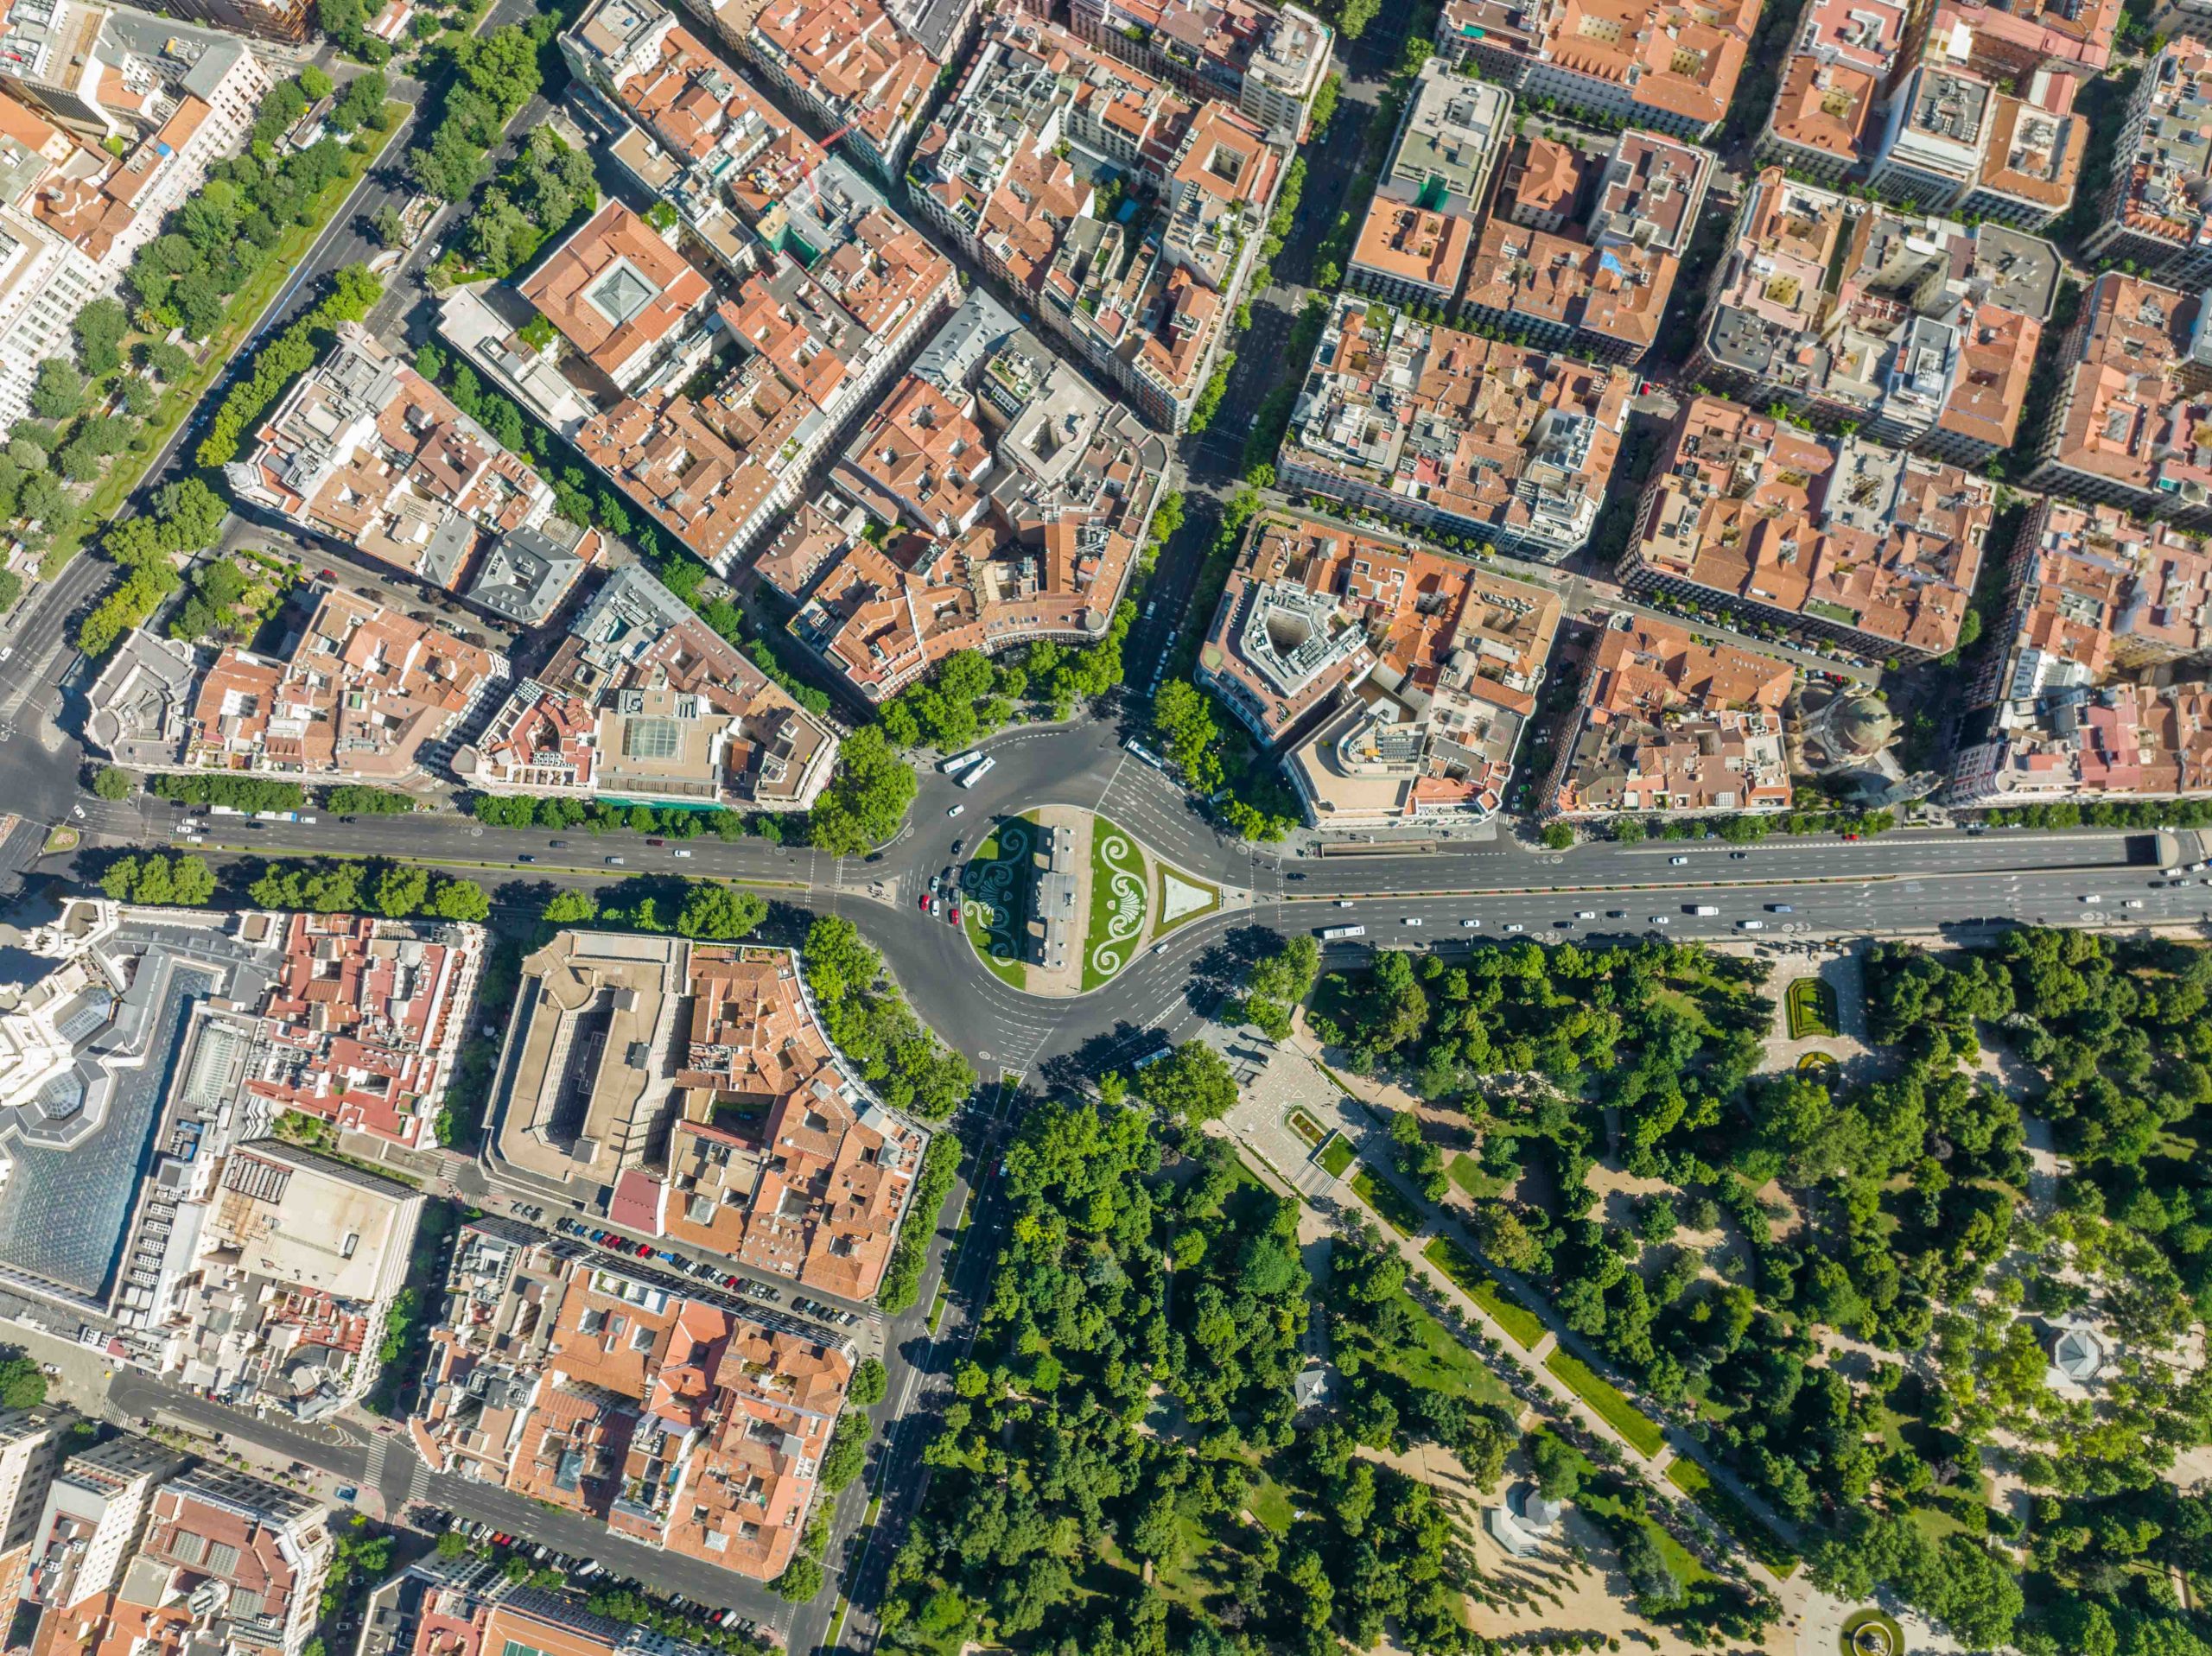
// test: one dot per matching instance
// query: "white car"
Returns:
(1585, 913)
(1469, 925)
(1677, 862)
(956, 810)
(2091, 897)
(1343, 903)
(1415, 919)
(2133, 903)
(1658, 919)
(1750, 925)
(1516, 925)
(683, 853)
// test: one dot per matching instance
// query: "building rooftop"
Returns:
(366, 451)
(1680, 60)
(618, 291)
(852, 59)
(2126, 413)
(993, 498)
(363, 692)
(1397, 681)
(1671, 721)
(364, 1020)
(1448, 139)
(1839, 529)
(1867, 311)
(681, 1418)
(1492, 435)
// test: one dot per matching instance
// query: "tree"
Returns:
(58, 391)
(170, 361)
(720, 912)
(801, 1580)
(112, 782)
(402, 891)
(1193, 1084)
(847, 1452)
(99, 327)
(1558, 836)
(23, 1385)
(1558, 1466)
(870, 1384)
(460, 899)
(571, 908)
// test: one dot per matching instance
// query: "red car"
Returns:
(730, 1281)
(656, 842)
(645, 1250)
(956, 917)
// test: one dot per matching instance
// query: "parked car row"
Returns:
(705, 1270)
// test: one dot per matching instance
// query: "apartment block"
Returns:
(1671, 723)
(1461, 435)
(1830, 92)
(847, 66)
(73, 215)
(479, 1612)
(1601, 288)
(643, 701)
(94, 1515)
(2131, 424)
(1267, 61)
(1914, 329)
(994, 500)
(366, 695)
(680, 1418)
(1838, 537)
(2096, 687)
(1394, 684)
(1420, 229)
(1954, 141)
(2014, 39)
(2153, 210)
(30, 1454)
(1670, 67)
(621, 295)
(269, 1548)
(1009, 172)
(366, 453)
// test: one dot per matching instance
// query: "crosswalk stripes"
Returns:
(379, 1451)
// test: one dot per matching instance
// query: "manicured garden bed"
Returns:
(1810, 1005)
(1521, 1324)
(1384, 1197)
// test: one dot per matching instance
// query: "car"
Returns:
(1659, 920)
(1850, 836)
(927, 898)
(1515, 925)
(954, 917)
(524, 856)
(1738, 856)
(1410, 920)
(680, 852)
(645, 1250)
(2133, 903)
(555, 844)
(597, 1237)
(1677, 862)
(1750, 925)
(1343, 903)
(328, 575)
(945, 876)
(654, 841)
(957, 845)
(1616, 914)
(1780, 907)
(2091, 897)
(1160, 948)
(1585, 913)
(1469, 925)
(615, 862)
(956, 810)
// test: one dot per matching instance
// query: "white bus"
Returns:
(976, 775)
(958, 762)
(1142, 751)
(1337, 934)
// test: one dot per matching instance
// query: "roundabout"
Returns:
(1057, 901)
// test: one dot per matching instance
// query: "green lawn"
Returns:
(1307, 1128)
(1521, 1324)
(1119, 882)
(1734, 1518)
(1810, 1005)
(1000, 873)
(1337, 1154)
(1437, 1361)
(1270, 1503)
(1614, 1409)
(1383, 1195)
(243, 309)
(1466, 1173)
(1612, 1512)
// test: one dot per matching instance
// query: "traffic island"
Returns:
(1057, 901)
